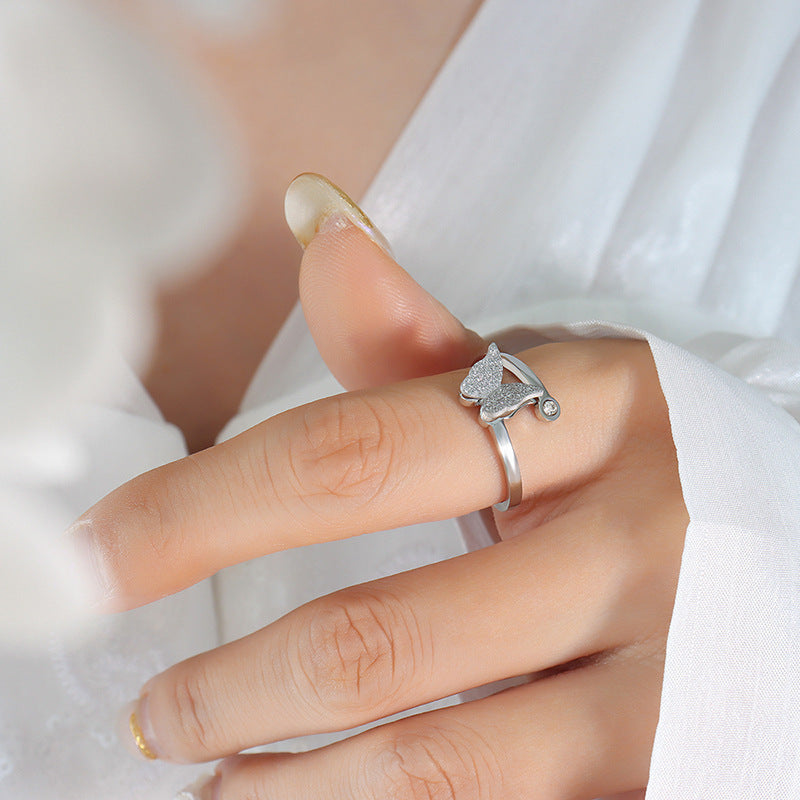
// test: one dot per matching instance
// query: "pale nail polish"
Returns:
(205, 787)
(311, 199)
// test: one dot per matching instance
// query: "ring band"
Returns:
(499, 401)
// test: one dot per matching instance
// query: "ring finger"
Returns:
(399, 642)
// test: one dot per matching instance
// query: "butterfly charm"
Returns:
(484, 387)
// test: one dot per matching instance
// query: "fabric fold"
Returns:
(730, 709)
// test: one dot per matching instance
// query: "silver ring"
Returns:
(499, 401)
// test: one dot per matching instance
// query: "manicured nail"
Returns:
(135, 731)
(105, 587)
(311, 200)
(204, 788)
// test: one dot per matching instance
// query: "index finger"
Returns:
(346, 465)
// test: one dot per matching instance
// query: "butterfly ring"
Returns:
(499, 401)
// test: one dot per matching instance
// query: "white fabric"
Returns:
(111, 174)
(59, 705)
(627, 160)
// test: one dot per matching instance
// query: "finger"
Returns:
(370, 651)
(357, 463)
(574, 736)
(372, 323)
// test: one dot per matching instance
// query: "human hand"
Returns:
(578, 592)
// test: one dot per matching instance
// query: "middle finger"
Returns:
(351, 464)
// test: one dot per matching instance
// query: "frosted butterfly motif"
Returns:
(484, 387)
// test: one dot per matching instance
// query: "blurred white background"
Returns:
(114, 173)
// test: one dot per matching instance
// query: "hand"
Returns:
(577, 594)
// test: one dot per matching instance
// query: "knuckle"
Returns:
(434, 764)
(194, 724)
(344, 449)
(158, 501)
(143, 498)
(361, 651)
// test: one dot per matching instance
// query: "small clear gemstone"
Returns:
(549, 408)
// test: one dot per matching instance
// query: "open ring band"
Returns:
(499, 401)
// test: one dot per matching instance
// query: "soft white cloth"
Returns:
(625, 160)
(111, 172)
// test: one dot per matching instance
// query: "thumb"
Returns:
(372, 322)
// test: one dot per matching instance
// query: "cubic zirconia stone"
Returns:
(549, 408)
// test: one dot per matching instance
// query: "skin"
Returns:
(314, 86)
(575, 597)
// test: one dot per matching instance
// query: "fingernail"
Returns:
(312, 199)
(135, 731)
(104, 585)
(204, 788)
